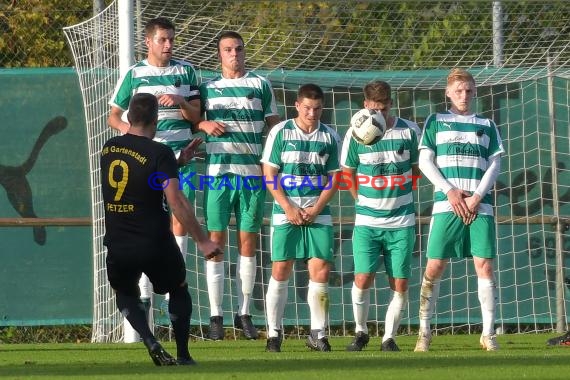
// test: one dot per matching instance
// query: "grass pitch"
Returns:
(453, 357)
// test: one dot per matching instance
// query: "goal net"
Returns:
(519, 54)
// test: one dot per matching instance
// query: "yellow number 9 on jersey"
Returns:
(122, 182)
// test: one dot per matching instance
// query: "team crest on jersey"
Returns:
(306, 170)
(177, 82)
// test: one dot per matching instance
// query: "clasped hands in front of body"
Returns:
(301, 216)
(465, 205)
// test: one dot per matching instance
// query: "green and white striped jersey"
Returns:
(384, 171)
(306, 163)
(177, 78)
(242, 104)
(462, 147)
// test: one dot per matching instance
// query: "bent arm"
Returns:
(427, 166)
(114, 120)
(490, 176)
(184, 211)
(272, 120)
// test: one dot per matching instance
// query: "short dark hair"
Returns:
(143, 110)
(229, 34)
(378, 91)
(158, 23)
(310, 91)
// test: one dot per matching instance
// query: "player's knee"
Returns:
(181, 288)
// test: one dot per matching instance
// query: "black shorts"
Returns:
(163, 264)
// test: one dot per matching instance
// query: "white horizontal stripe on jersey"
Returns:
(385, 203)
(173, 135)
(280, 219)
(244, 127)
(392, 222)
(445, 161)
(289, 180)
(227, 147)
(466, 184)
(374, 158)
(450, 137)
(161, 89)
(301, 202)
(236, 103)
(170, 114)
(296, 156)
(243, 170)
(471, 119)
(290, 135)
(384, 180)
(444, 206)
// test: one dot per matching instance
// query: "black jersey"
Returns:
(136, 212)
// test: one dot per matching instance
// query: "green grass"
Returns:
(453, 357)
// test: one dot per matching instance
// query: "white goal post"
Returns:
(519, 53)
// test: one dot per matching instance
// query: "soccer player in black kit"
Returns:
(139, 179)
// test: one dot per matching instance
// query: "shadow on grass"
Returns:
(287, 365)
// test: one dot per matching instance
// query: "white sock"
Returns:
(428, 297)
(394, 314)
(182, 242)
(360, 306)
(245, 279)
(486, 291)
(145, 286)
(318, 300)
(275, 301)
(215, 281)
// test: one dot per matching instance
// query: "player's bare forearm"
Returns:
(323, 199)
(191, 110)
(212, 128)
(114, 120)
(349, 174)
(184, 212)
(270, 121)
(294, 214)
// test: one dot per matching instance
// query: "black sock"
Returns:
(180, 310)
(133, 309)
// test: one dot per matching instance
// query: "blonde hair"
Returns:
(459, 74)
